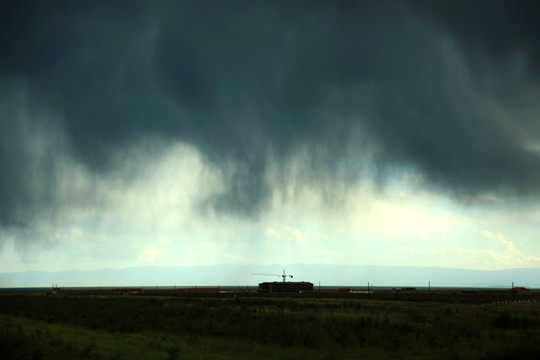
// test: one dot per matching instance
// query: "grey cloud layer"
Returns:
(447, 90)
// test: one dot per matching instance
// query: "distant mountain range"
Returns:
(241, 275)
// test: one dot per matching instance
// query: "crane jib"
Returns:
(284, 275)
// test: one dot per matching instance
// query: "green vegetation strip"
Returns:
(22, 338)
(124, 327)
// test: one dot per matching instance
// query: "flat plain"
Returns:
(254, 326)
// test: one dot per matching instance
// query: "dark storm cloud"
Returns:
(408, 81)
(501, 27)
(29, 144)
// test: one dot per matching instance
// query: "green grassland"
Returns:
(253, 326)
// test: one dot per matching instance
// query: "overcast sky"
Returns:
(280, 132)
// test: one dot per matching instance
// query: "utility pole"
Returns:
(512, 290)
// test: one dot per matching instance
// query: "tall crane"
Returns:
(284, 275)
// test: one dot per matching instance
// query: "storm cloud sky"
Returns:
(218, 131)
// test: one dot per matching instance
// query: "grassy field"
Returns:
(266, 327)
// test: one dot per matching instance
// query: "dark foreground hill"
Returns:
(260, 327)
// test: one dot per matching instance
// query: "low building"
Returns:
(361, 291)
(449, 292)
(521, 291)
(285, 287)
(405, 290)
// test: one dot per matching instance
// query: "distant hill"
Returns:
(241, 275)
